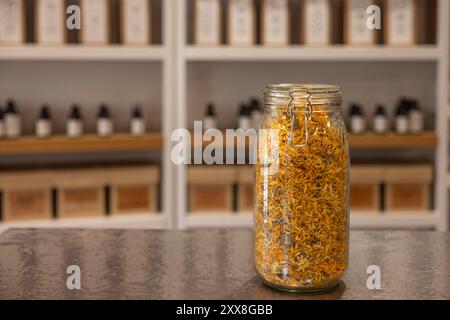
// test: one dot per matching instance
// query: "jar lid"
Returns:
(280, 95)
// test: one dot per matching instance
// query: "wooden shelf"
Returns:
(426, 140)
(87, 143)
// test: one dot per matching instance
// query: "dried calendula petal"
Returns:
(301, 231)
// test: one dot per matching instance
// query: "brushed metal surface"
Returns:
(205, 264)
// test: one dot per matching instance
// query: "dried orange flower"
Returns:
(301, 220)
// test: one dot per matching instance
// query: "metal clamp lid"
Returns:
(290, 110)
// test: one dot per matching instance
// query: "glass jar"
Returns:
(302, 179)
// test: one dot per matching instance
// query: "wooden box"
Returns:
(365, 183)
(50, 22)
(316, 22)
(400, 22)
(245, 189)
(95, 22)
(27, 195)
(241, 22)
(135, 18)
(134, 189)
(356, 32)
(207, 22)
(12, 22)
(211, 188)
(408, 188)
(81, 192)
(275, 23)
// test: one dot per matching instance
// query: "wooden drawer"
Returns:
(365, 183)
(81, 192)
(408, 188)
(27, 195)
(211, 188)
(134, 189)
(245, 189)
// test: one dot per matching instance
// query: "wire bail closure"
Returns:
(290, 110)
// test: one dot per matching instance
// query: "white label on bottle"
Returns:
(401, 124)
(241, 23)
(94, 28)
(136, 21)
(2, 129)
(256, 119)
(209, 123)
(43, 128)
(137, 127)
(380, 124)
(12, 125)
(317, 22)
(416, 123)
(275, 22)
(11, 21)
(104, 127)
(207, 22)
(74, 128)
(358, 32)
(50, 18)
(244, 122)
(401, 27)
(358, 124)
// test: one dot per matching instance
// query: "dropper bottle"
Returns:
(43, 127)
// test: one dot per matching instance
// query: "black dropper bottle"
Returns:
(103, 112)
(43, 124)
(137, 124)
(210, 110)
(74, 123)
(137, 112)
(75, 113)
(104, 123)
(210, 118)
(244, 117)
(11, 107)
(401, 116)
(44, 114)
(380, 123)
(12, 120)
(357, 121)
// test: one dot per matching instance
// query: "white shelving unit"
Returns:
(154, 54)
(83, 53)
(438, 55)
(177, 58)
(299, 53)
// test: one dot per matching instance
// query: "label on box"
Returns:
(94, 29)
(207, 22)
(275, 22)
(50, 21)
(136, 21)
(357, 30)
(241, 22)
(317, 19)
(11, 22)
(400, 23)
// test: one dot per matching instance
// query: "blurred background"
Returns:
(86, 114)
